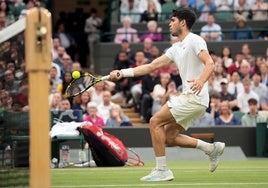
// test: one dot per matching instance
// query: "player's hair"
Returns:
(185, 14)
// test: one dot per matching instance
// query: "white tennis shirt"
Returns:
(185, 55)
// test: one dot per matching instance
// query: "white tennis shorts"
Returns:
(186, 108)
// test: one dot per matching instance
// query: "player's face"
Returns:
(174, 26)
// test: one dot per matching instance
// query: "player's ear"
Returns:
(183, 22)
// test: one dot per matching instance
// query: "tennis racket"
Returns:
(133, 158)
(83, 83)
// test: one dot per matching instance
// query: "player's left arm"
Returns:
(209, 67)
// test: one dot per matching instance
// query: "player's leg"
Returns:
(158, 136)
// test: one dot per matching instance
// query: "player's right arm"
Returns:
(140, 70)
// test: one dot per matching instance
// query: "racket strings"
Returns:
(134, 159)
(79, 85)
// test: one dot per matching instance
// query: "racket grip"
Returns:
(105, 77)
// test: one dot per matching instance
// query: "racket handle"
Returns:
(105, 77)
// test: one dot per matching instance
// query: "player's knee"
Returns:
(154, 121)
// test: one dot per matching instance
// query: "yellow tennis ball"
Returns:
(76, 74)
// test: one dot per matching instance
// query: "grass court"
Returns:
(252, 173)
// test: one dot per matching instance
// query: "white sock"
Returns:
(161, 163)
(204, 146)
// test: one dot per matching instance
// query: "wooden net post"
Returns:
(38, 63)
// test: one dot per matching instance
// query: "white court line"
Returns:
(161, 185)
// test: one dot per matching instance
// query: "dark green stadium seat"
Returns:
(238, 114)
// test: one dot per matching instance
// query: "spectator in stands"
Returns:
(251, 118)
(245, 49)
(243, 97)
(258, 87)
(10, 84)
(122, 87)
(59, 61)
(125, 47)
(205, 120)
(3, 20)
(214, 104)
(67, 78)
(257, 64)
(217, 59)
(153, 32)
(11, 66)
(92, 29)
(155, 52)
(54, 47)
(126, 32)
(239, 57)
(159, 92)
(143, 5)
(65, 104)
(226, 116)
(219, 74)
(23, 95)
(54, 101)
(166, 9)
(260, 10)
(248, 2)
(226, 96)
(96, 92)
(67, 64)
(191, 4)
(2, 69)
(5, 100)
(92, 116)
(123, 62)
(117, 117)
(226, 56)
(244, 70)
(131, 11)
(175, 75)
(124, 4)
(171, 91)
(4, 6)
(148, 83)
(241, 9)
(135, 83)
(150, 13)
(92, 26)
(76, 66)
(226, 5)
(235, 85)
(66, 39)
(21, 71)
(211, 31)
(30, 4)
(147, 46)
(16, 7)
(264, 73)
(205, 8)
(81, 104)
(53, 77)
(105, 106)
(241, 31)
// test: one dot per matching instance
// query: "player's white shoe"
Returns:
(159, 175)
(215, 155)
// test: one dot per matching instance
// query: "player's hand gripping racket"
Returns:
(83, 83)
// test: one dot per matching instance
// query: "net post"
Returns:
(38, 63)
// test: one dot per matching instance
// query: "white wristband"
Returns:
(128, 72)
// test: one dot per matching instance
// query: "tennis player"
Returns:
(191, 56)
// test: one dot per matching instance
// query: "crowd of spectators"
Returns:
(239, 82)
